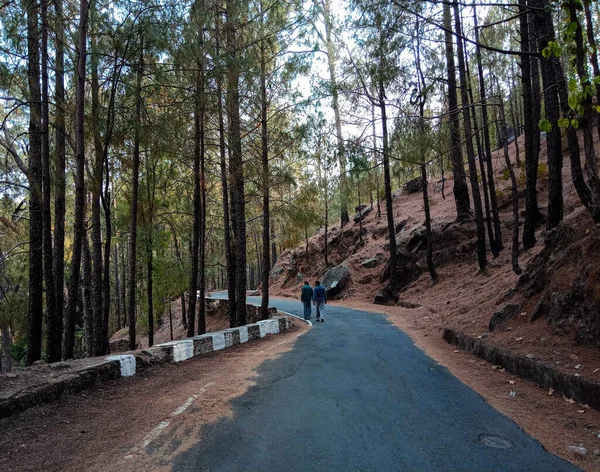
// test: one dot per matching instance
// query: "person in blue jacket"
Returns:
(306, 297)
(319, 300)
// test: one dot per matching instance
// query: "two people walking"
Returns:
(318, 296)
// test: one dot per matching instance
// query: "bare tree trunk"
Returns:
(331, 56)
(88, 300)
(229, 257)
(481, 253)
(78, 228)
(6, 364)
(461, 191)
(589, 27)
(515, 194)
(266, 263)
(55, 325)
(496, 245)
(202, 242)
(96, 188)
(118, 288)
(183, 315)
(236, 163)
(132, 305)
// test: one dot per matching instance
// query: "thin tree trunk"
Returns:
(589, 26)
(331, 57)
(229, 257)
(118, 288)
(96, 188)
(183, 315)
(6, 365)
(202, 235)
(461, 191)
(78, 229)
(481, 256)
(515, 195)
(497, 240)
(55, 325)
(428, 233)
(88, 301)
(266, 263)
(132, 305)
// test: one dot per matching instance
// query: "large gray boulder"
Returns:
(335, 280)
(507, 312)
(414, 185)
(360, 214)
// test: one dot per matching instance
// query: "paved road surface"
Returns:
(355, 394)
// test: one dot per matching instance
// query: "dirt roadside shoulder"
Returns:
(97, 429)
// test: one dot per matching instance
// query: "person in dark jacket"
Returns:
(305, 298)
(319, 300)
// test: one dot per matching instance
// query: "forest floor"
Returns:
(106, 428)
(465, 298)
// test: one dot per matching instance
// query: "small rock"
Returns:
(59, 365)
(596, 452)
(578, 366)
(579, 450)
(370, 263)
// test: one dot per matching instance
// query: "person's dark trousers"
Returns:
(307, 310)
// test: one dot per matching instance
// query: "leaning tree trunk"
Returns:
(515, 194)
(78, 228)
(461, 191)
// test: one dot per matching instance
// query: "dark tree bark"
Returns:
(183, 315)
(78, 227)
(135, 178)
(88, 297)
(495, 243)
(5, 358)
(95, 190)
(149, 221)
(266, 255)
(236, 163)
(529, 79)
(35, 310)
(481, 256)
(202, 242)
(229, 257)
(461, 191)
(544, 31)
(119, 313)
(429, 254)
(589, 27)
(591, 165)
(515, 195)
(55, 325)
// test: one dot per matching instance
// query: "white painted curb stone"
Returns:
(243, 334)
(127, 362)
(218, 339)
(182, 350)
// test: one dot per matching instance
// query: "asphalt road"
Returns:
(355, 394)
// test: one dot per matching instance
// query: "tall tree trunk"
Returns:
(544, 30)
(183, 315)
(55, 325)
(497, 240)
(35, 311)
(236, 163)
(331, 57)
(119, 313)
(266, 255)
(461, 191)
(135, 178)
(429, 254)
(529, 72)
(229, 257)
(96, 188)
(515, 193)
(88, 298)
(591, 165)
(149, 221)
(481, 256)
(589, 26)
(78, 228)
(203, 206)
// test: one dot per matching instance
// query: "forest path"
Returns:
(355, 394)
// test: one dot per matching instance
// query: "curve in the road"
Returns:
(355, 394)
